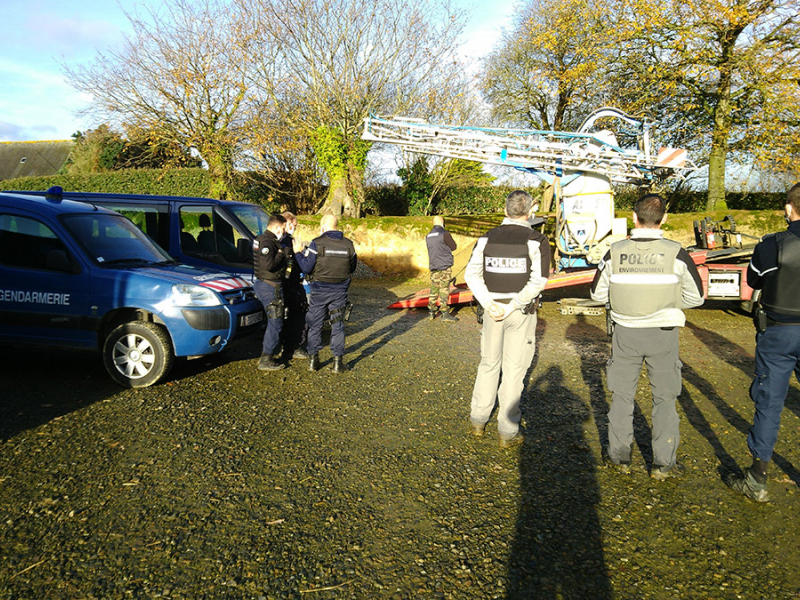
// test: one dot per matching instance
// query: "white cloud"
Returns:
(41, 106)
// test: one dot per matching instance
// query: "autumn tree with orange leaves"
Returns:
(547, 71)
(722, 74)
(183, 76)
(325, 65)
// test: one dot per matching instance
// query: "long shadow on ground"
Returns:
(557, 550)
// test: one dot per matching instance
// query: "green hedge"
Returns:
(390, 200)
(385, 200)
(171, 182)
(689, 201)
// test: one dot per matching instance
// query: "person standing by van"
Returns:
(295, 331)
(269, 267)
(329, 261)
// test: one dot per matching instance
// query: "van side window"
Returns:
(149, 218)
(29, 244)
(206, 234)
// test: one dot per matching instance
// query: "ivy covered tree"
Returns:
(325, 65)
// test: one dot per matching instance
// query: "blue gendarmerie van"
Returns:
(203, 232)
(78, 276)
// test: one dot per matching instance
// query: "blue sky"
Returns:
(36, 103)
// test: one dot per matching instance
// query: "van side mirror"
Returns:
(58, 260)
(244, 250)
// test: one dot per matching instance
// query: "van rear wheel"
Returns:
(138, 354)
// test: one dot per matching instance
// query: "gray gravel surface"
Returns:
(227, 482)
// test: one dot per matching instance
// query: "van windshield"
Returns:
(253, 217)
(112, 239)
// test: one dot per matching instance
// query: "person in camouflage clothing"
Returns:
(440, 261)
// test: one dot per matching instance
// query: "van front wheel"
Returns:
(137, 354)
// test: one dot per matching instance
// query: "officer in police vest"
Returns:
(507, 272)
(329, 261)
(269, 265)
(440, 262)
(646, 280)
(775, 270)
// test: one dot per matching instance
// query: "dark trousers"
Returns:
(325, 298)
(777, 357)
(295, 330)
(266, 294)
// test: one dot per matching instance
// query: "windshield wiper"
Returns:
(129, 261)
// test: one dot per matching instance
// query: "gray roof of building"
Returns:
(33, 159)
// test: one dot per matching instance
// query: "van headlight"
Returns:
(194, 295)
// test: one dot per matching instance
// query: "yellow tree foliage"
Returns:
(721, 73)
(547, 71)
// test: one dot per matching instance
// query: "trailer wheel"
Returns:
(137, 354)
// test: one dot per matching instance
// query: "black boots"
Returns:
(338, 364)
(267, 363)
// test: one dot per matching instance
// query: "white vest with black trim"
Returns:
(644, 277)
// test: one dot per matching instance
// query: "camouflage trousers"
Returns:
(440, 288)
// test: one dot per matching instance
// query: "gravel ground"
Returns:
(226, 482)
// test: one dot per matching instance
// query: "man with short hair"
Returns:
(507, 272)
(269, 265)
(775, 270)
(440, 262)
(646, 281)
(329, 262)
(293, 335)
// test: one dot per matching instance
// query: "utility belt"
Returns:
(529, 309)
(762, 321)
(610, 322)
(276, 283)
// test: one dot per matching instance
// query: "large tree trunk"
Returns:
(356, 190)
(719, 136)
(716, 172)
(345, 195)
(338, 201)
(220, 171)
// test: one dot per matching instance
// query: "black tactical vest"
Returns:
(506, 260)
(333, 259)
(781, 291)
(269, 262)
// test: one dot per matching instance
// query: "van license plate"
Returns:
(724, 284)
(251, 319)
